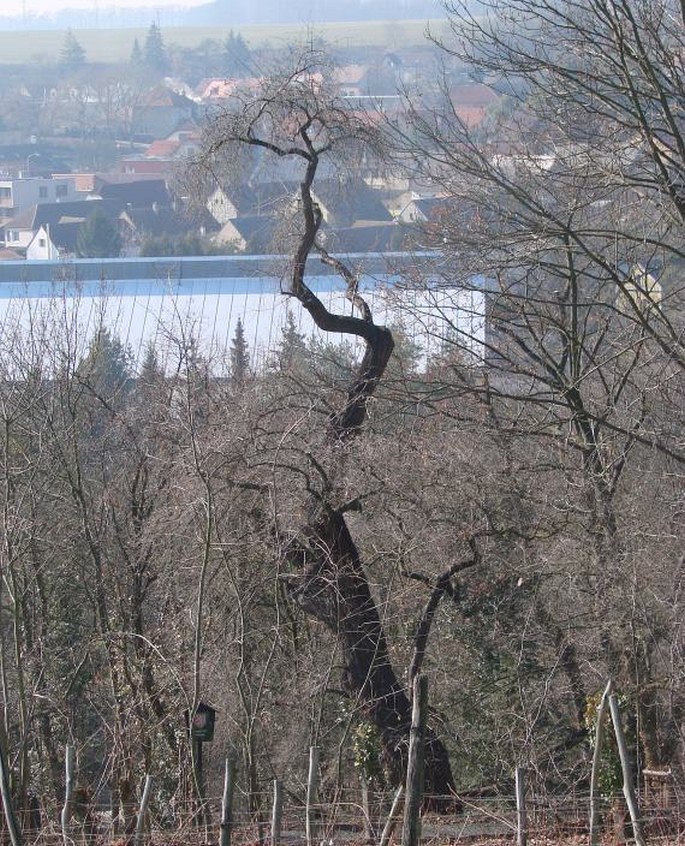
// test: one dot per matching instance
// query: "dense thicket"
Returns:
(304, 538)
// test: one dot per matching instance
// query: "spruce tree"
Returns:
(106, 368)
(98, 237)
(240, 357)
(292, 348)
(72, 55)
(136, 54)
(237, 56)
(154, 52)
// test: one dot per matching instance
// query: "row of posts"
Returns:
(609, 701)
(411, 827)
(413, 787)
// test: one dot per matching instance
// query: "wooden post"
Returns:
(16, 837)
(628, 789)
(391, 821)
(521, 816)
(142, 810)
(276, 813)
(369, 833)
(596, 762)
(68, 790)
(227, 803)
(312, 790)
(411, 828)
(204, 816)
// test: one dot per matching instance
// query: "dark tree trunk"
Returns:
(333, 588)
(330, 582)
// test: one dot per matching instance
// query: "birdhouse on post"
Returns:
(202, 726)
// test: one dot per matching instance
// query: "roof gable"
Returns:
(51, 214)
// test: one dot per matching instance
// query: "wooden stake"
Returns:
(227, 803)
(369, 833)
(140, 822)
(411, 828)
(391, 821)
(276, 814)
(596, 761)
(312, 789)
(68, 790)
(628, 789)
(521, 815)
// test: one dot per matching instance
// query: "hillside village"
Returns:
(138, 129)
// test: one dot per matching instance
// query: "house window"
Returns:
(43, 192)
(13, 235)
(41, 242)
(5, 193)
(61, 190)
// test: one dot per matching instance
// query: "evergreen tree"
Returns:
(136, 54)
(72, 55)
(292, 348)
(98, 237)
(150, 370)
(240, 357)
(154, 52)
(237, 56)
(106, 366)
(149, 385)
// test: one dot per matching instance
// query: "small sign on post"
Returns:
(202, 725)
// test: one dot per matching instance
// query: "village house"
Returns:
(21, 230)
(19, 194)
(161, 112)
(250, 234)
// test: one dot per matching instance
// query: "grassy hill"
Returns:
(114, 45)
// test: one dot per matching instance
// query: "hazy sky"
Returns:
(16, 7)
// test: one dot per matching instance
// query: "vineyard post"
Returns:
(312, 789)
(411, 829)
(68, 790)
(227, 803)
(521, 814)
(142, 811)
(276, 813)
(626, 770)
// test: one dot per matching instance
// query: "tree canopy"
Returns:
(98, 237)
(72, 55)
(155, 54)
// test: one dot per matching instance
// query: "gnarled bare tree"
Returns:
(293, 119)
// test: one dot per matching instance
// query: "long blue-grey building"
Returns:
(170, 301)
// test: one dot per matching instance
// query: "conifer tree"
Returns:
(292, 347)
(240, 357)
(154, 52)
(72, 55)
(98, 237)
(136, 54)
(106, 366)
(237, 56)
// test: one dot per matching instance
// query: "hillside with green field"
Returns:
(108, 45)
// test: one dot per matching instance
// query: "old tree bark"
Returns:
(291, 119)
(332, 585)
